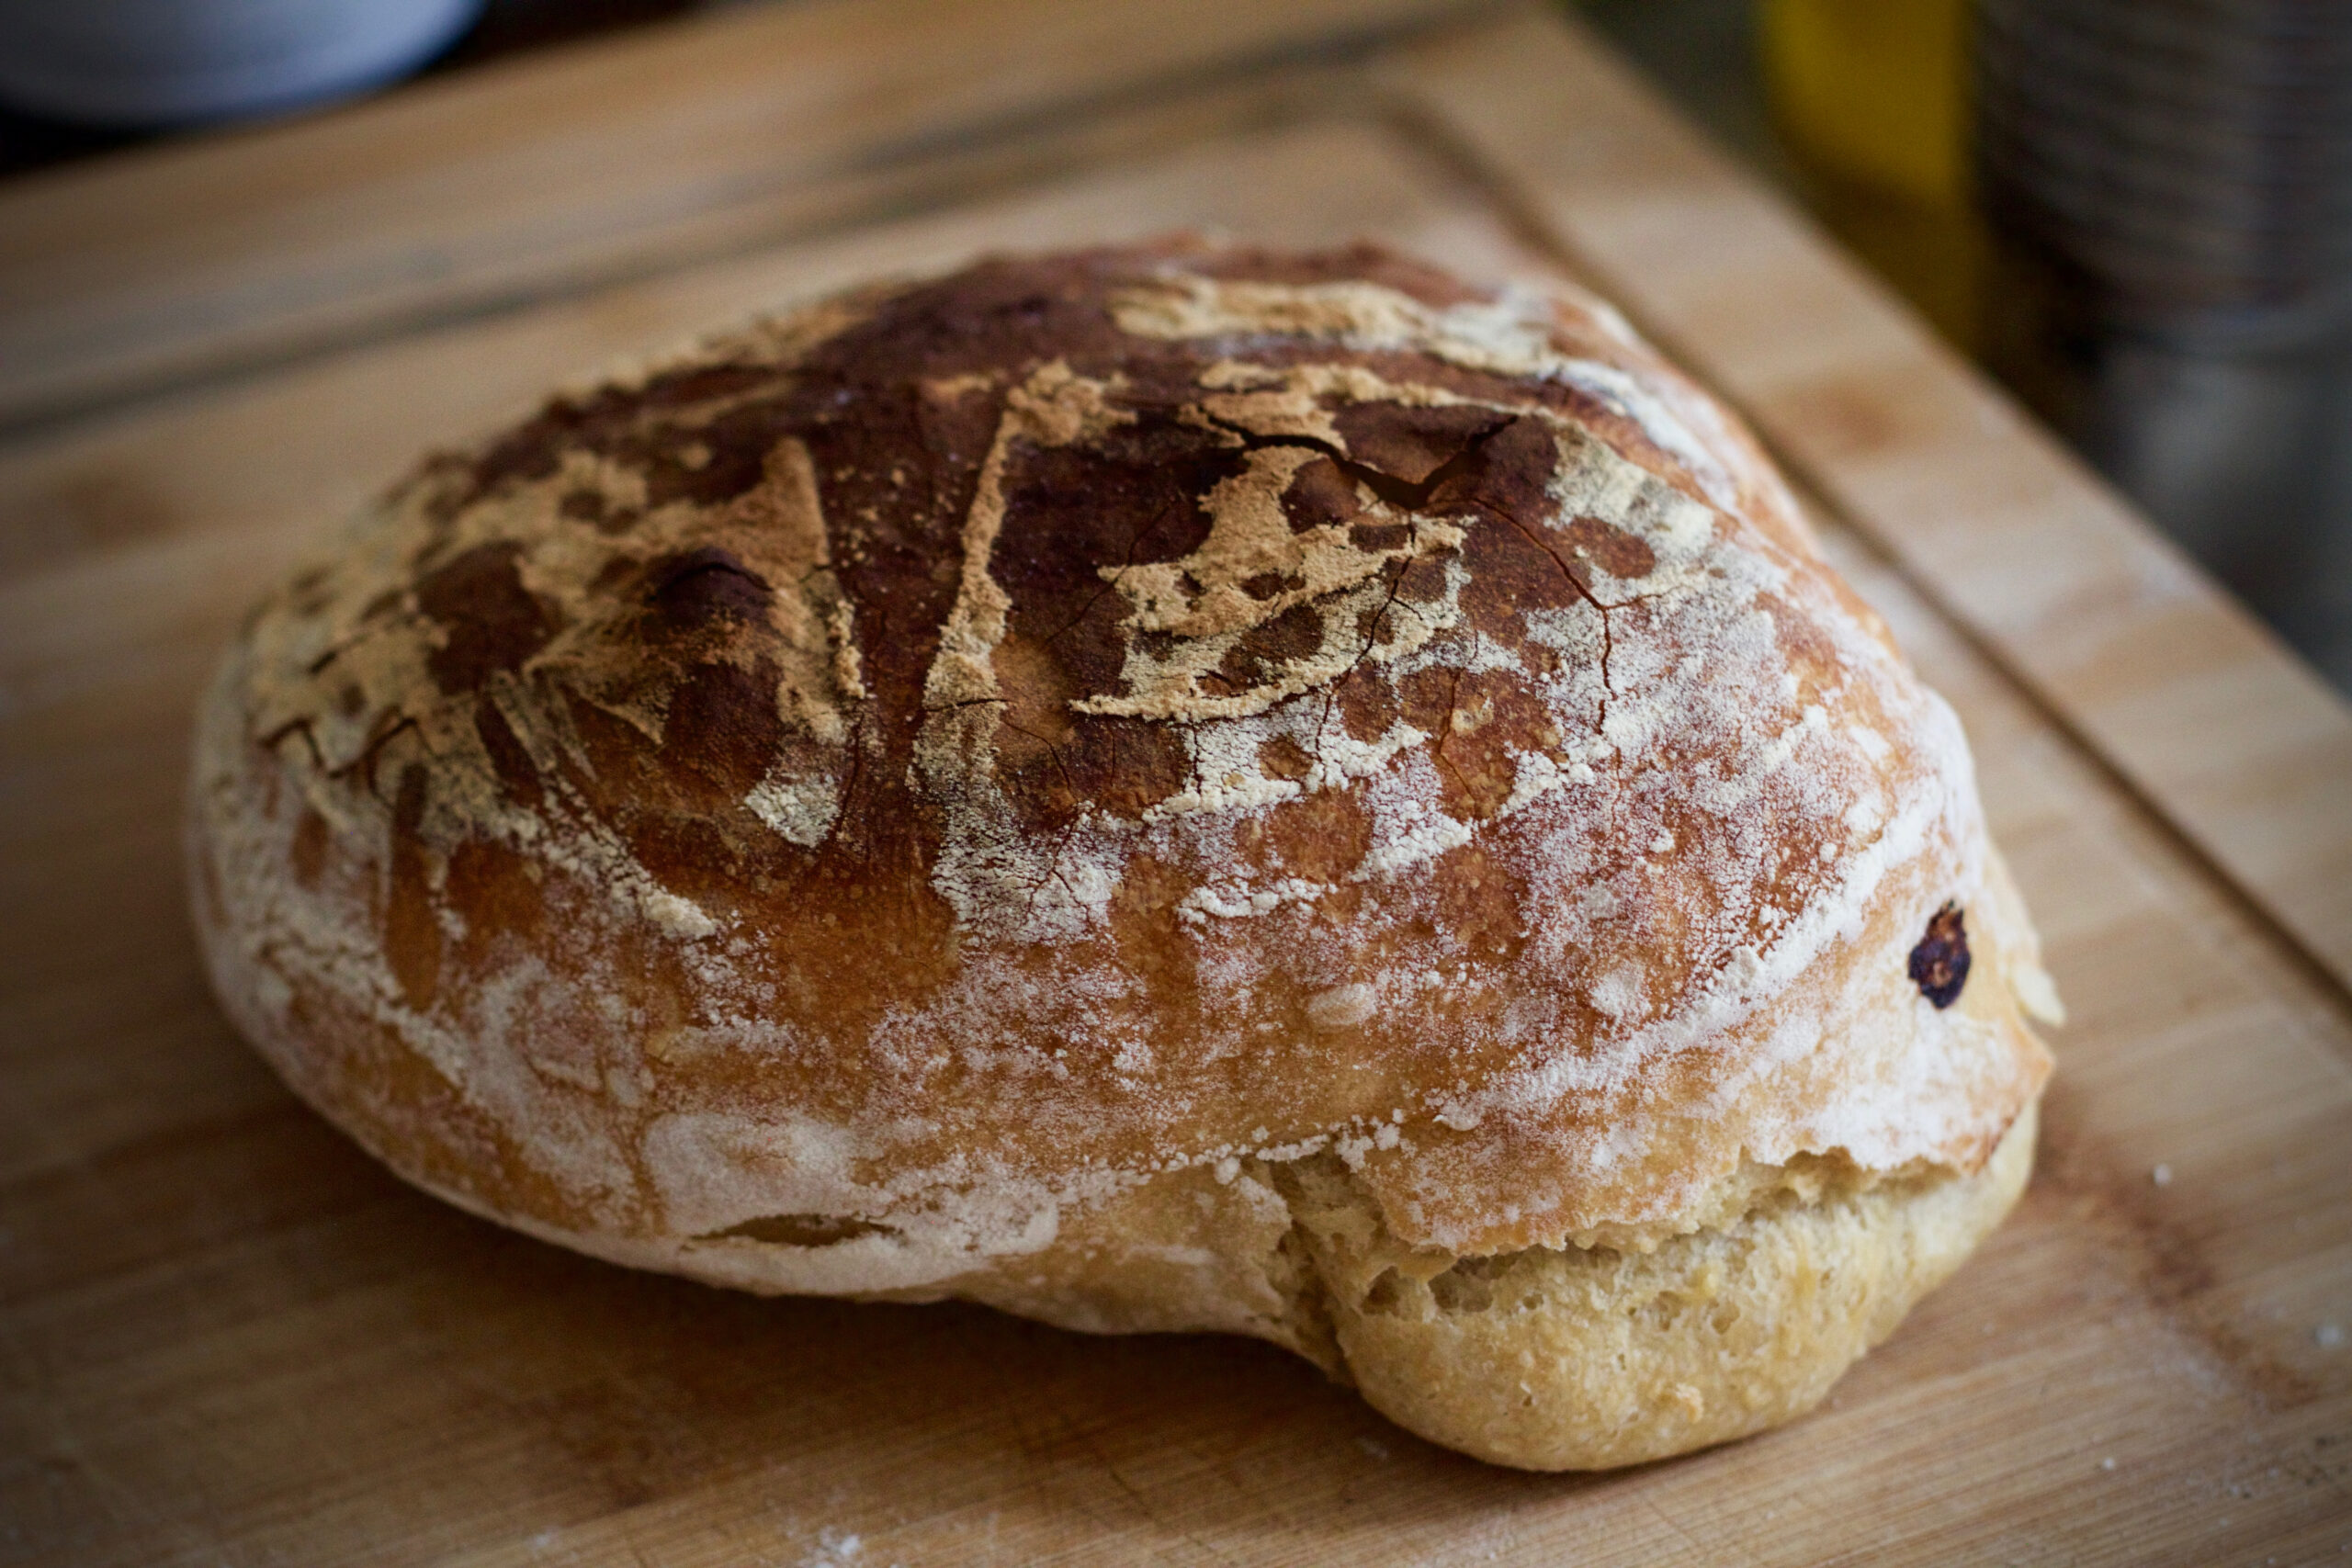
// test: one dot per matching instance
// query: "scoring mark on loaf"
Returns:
(542, 658)
(801, 1230)
(1000, 878)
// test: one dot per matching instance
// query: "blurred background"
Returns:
(2137, 214)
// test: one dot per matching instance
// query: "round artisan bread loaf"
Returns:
(1170, 787)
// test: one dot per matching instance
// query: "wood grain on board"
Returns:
(604, 159)
(227, 1337)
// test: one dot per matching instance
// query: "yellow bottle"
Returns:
(1872, 98)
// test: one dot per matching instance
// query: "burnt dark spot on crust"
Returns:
(999, 314)
(723, 730)
(612, 761)
(1284, 757)
(1505, 476)
(590, 421)
(1380, 535)
(1509, 574)
(596, 508)
(1618, 430)
(1069, 511)
(1221, 683)
(1258, 656)
(1316, 838)
(1411, 444)
(692, 385)
(1613, 550)
(1426, 699)
(1421, 581)
(666, 432)
(1271, 584)
(715, 462)
(491, 621)
(707, 585)
(1940, 963)
(1319, 495)
(1367, 704)
(1131, 764)
(692, 854)
(1071, 515)
(531, 451)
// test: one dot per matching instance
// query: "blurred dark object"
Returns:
(509, 26)
(1702, 53)
(2170, 185)
(30, 141)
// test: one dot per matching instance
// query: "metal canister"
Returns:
(2171, 183)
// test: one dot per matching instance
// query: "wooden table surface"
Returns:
(226, 1337)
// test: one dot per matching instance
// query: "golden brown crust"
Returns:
(974, 757)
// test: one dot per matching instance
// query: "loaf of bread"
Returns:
(1159, 788)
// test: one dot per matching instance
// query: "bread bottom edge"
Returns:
(1575, 1360)
(1544, 1359)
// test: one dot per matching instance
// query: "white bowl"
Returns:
(164, 62)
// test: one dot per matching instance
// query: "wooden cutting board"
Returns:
(226, 1337)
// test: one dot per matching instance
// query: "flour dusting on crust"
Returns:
(835, 808)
